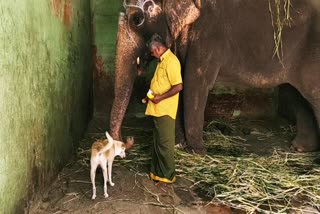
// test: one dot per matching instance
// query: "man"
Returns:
(162, 106)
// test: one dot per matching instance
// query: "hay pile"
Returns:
(276, 183)
(232, 176)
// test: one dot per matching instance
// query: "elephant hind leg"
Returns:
(298, 109)
(307, 82)
(307, 138)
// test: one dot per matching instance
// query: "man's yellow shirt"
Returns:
(167, 74)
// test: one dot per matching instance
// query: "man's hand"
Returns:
(157, 98)
(171, 92)
(145, 100)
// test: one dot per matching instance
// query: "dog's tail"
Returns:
(109, 145)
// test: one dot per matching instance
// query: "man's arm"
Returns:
(172, 91)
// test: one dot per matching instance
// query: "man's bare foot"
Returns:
(160, 184)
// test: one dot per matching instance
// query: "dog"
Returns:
(103, 152)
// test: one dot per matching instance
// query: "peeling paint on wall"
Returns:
(56, 7)
(104, 24)
(68, 13)
(63, 9)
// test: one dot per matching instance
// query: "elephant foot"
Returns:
(182, 144)
(180, 139)
(305, 143)
(200, 150)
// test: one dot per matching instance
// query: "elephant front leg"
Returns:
(194, 106)
(200, 73)
(180, 134)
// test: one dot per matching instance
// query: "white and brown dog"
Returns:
(103, 152)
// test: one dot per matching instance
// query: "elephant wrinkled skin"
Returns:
(230, 41)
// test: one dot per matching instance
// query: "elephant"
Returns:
(231, 41)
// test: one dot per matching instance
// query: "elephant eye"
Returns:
(137, 19)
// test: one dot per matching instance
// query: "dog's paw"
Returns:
(93, 197)
(106, 195)
(111, 184)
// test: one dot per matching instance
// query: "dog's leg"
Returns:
(110, 172)
(105, 178)
(93, 177)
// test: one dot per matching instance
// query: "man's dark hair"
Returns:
(156, 40)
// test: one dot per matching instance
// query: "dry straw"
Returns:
(279, 18)
(281, 182)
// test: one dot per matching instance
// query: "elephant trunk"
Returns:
(127, 49)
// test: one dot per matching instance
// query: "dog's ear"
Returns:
(129, 143)
(110, 139)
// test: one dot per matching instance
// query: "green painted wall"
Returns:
(105, 24)
(45, 81)
(105, 18)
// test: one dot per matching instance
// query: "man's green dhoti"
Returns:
(163, 162)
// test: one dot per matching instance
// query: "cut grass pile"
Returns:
(278, 183)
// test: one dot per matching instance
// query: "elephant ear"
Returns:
(180, 13)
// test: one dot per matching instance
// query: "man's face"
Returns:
(155, 51)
